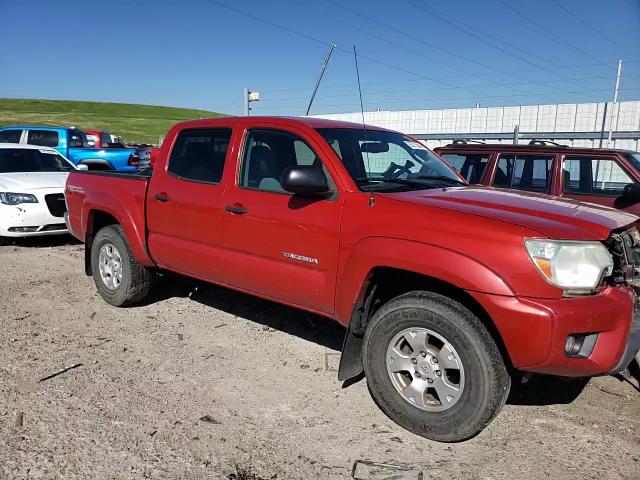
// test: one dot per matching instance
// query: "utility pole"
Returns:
(324, 67)
(248, 97)
(615, 101)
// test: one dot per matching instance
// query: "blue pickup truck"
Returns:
(73, 144)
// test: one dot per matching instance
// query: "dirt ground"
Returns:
(203, 382)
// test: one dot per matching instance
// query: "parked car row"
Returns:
(75, 145)
(446, 289)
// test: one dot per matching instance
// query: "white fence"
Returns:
(574, 124)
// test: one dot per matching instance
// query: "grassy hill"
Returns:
(134, 123)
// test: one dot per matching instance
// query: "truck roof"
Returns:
(30, 127)
(292, 121)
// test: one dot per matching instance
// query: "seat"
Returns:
(264, 170)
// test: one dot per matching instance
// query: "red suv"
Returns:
(603, 176)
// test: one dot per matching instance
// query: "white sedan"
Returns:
(32, 182)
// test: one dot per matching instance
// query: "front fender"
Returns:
(431, 260)
(131, 221)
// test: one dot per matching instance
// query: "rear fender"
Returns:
(132, 223)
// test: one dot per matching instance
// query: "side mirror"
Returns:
(304, 180)
(631, 193)
(82, 167)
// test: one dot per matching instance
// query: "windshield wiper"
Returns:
(439, 177)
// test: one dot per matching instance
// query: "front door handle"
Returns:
(162, 197)
(237, 209)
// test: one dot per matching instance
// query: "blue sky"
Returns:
(414, 53)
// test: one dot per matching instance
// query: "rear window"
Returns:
(44, 138)
(199, 154)
(470, 165)
(10, 136)
(524, 172)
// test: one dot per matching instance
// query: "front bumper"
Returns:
(31, 219)
(534, 331)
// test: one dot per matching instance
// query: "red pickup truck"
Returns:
(446, 289)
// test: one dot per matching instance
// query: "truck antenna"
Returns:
(325, 65)
(372, 200)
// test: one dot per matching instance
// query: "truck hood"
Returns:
(549, 216)
(23, 182)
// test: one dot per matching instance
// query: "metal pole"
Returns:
(604, 121)
(324, 67)
(245, 101)
(615, 101)
(516, 134)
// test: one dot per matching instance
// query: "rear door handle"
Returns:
(162, 197)
(237, 209)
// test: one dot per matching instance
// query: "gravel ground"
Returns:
(203, 382)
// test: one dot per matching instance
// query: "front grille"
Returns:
(56, 204)
(625, 250)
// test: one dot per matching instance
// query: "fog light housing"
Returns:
(580, 345)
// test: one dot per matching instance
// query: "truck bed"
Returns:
(120, 195)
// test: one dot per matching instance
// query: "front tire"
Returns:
(5, 241)
(119, 278)
(433, 367)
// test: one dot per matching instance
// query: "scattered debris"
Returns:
(152, 433)
(23, 317)
(19, 419)
(365, 470)
(180, 336)
(60, 372)
(210, 419)
(92, 316)
(221, 325)
(304, 366)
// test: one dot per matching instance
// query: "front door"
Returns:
(278, 244)
(184, 204)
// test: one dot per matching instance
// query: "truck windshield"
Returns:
(19, 160)
(388, 161)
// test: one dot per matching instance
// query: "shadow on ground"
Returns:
(43, 242)
(539, 390)
(314, 328)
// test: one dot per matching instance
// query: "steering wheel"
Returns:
(395, 170)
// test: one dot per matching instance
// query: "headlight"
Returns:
(574, 266)
(9, 198)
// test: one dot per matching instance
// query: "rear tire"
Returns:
(119, 278)
(433, 367)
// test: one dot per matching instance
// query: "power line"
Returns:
(545, 30)
(584, 24)
(541, 94)
(370, 93)
(316, 40)
(425, 79)
(454, 22)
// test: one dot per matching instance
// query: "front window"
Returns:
(19, 160)
(387, 161)
(44, 138)
(594, 176)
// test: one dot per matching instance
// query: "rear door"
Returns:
(184, 204)
(524, 171)
(277, 244)
(597, 179)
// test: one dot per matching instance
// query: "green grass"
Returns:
(134, 123)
